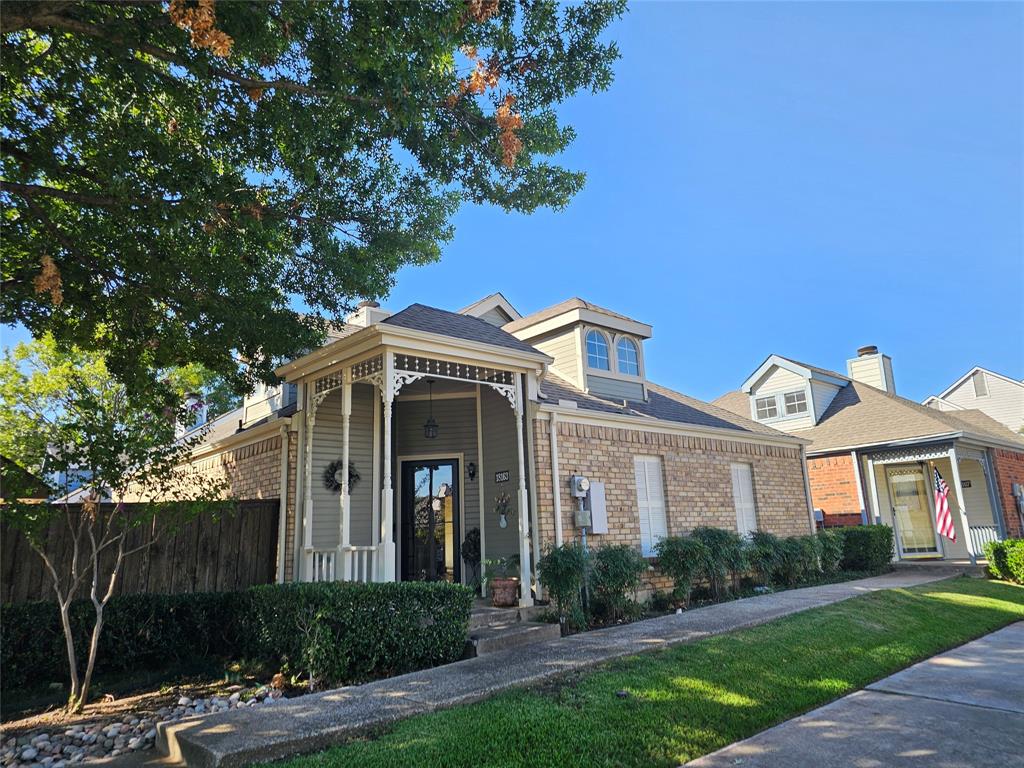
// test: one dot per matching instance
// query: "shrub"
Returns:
(562, 571)
(867, 548)
(615, 576)
(680, 558)
(723, 554)
(830, 547)
(764, 553)
(378, 629)
(1006, 559)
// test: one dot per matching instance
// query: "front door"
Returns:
(430, 521)
(911, 512)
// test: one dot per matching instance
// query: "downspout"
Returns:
(299, 570)
(556, 483)
(807, 488)
(282, 513)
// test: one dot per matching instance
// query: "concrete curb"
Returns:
(309, 723)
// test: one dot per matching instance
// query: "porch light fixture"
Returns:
(471, 470)
(430, 427)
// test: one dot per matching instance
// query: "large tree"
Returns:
(177, 174)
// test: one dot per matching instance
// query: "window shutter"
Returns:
(743, 498)
(650, 499)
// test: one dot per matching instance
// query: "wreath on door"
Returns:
(332, 476)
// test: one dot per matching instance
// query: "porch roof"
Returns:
(420, 317)
(861, 415)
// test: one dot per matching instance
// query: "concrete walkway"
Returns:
(313, 722)
(960, 709)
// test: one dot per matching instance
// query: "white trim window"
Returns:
(628, 357)
(743, 498)
(767, 407)
(795, 402)
(650, 502)
(597, 351)
(980, 384)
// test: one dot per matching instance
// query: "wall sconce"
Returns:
(430, 427)
(471, 470)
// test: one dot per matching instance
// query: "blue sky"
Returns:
(799, 178)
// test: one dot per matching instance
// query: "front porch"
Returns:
(902, 494)
(435, 448)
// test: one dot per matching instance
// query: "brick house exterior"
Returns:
(834, 490)
(1009, 470)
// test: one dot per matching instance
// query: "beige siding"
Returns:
(778, 380)
(616, 389)
(563, 348)
(1005, 401)
(823, 396)
(495, 316)
(873, 370)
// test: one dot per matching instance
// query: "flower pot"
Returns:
(504, 592)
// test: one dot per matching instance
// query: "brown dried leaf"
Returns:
(49, 281)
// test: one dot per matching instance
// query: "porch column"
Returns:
(876, 516)
(525, 599)
(307, 485)
(960, 504)
(993, 495)
(387, 502)
(345, 534)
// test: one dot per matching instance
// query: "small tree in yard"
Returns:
(64, 417)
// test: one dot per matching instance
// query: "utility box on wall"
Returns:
(595, 503)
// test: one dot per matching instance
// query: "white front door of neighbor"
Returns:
(912, 512)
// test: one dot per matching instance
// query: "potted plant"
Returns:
(503, 581)
(471, 556)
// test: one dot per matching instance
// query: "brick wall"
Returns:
(834, 489)
(1009, 469)
(697, 476)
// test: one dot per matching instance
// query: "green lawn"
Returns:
(693, 699)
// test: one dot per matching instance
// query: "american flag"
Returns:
(943, 518)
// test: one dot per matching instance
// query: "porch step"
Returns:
(486, 616)
(499, 637)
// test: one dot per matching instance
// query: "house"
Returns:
(999, 396)
(407, 430)
(872, 455)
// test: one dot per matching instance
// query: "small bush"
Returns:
(867, 548)
(338, 632)
(616, 572)
(681, 559)
(562, 571)
(723, 555)
(764, 553)
(1006, 559)
(830, 547)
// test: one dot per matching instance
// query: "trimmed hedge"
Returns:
(336, 632)
(1006, 559)
(866, 548)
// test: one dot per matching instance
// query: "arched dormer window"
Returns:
(628, 357)
(597, 351)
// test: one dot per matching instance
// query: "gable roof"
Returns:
(560, 309)
(488, 303)
(861, 415)
(420, 317)
(662, 404)
(801, 369)
(970, 373)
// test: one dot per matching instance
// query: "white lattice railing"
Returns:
(981, 535)
(358, 564)
(323, 565)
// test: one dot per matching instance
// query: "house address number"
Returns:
(965, 483)
(501, 477)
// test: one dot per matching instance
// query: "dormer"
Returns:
(789, 395)
(495, 309)
(594, 349)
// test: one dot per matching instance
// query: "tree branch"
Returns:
(29, 191)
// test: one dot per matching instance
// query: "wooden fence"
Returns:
(209, 554)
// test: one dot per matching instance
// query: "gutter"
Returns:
(941, 437)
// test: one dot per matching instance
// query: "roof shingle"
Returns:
(420, 317)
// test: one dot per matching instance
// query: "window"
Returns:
(629, 360)
(767, 407)
(743, 498)
(597, 351)
(650, 502)
(980, 385)
(796, 402)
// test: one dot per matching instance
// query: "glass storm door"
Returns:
(911, 510)
(430, 521)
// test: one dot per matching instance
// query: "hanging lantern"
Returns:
(430, 427)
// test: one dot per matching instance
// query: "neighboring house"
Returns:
(872, 453)
(999, 396)
(453, 421)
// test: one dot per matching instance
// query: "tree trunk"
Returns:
(69, 639)
(94, 646)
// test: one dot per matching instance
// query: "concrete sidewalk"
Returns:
(960, 709)
(316, 721)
